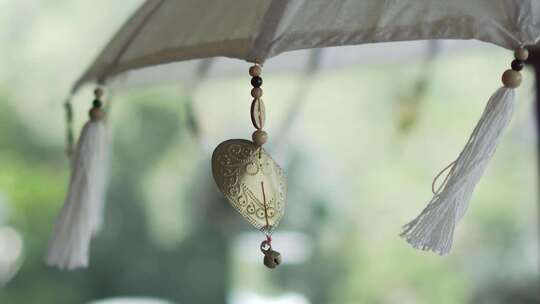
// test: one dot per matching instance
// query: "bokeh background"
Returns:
(360, 144)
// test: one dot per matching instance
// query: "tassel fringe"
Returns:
(433, 229)
(81, 217)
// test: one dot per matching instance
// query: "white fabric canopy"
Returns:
(168, 31)
(188, 74)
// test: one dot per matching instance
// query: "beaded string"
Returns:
(257, 107)
(259, 137)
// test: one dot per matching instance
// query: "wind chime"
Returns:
(249, 178)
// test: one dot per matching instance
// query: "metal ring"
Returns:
(265, 246)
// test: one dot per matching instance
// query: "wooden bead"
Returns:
(517, 65)
(256, 92)
(258, 113)
(256, 81)
(521, 54)
(255, 71)
(97, 103)
(98, 92)
(511, 79)
(259, 137)
(96, 114)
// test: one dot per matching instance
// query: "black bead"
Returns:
(517, 65)
(256, 81)
(97, 103)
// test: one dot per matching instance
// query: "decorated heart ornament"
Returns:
(251, 181)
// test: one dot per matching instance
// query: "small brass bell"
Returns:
(272, 259)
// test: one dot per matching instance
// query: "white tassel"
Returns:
(433, 229)
(81, 217)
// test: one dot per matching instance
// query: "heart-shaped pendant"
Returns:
(252, 181)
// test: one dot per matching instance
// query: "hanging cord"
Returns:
(272, 258)
(68, 109)
(267, 228)
(450, 167)
(441, 186)
(259, 137)
(265, 211)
